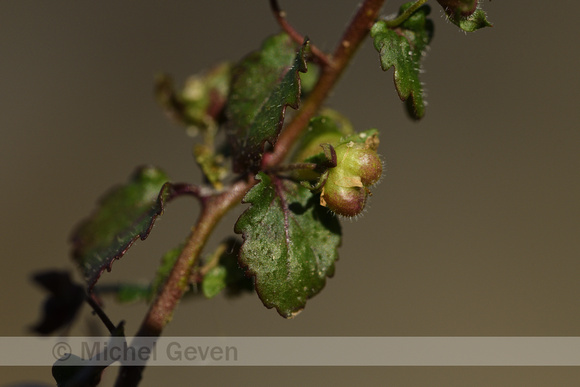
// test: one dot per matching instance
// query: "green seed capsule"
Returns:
(358, 166)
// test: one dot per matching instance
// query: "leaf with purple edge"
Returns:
(263, 84)
(290, 243)
(125, 214)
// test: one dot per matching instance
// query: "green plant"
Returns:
(290, 236)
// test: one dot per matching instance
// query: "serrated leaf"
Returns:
(263, 84)
(290, 243)
(125, 214)
(403, 48)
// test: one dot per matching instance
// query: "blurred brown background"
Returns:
(472, 232)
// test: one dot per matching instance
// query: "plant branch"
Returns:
(280, 16)
(216, 206)
(162, 308)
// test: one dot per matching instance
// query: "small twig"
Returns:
(291, 167)
(101, 313)
(202, 193)
(280, 16)
(214, 259)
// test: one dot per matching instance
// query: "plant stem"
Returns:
(215, 207)
(162, 308)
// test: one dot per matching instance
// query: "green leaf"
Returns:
(167, 262)
(464, 14)
(214, 281)
(263, 84)
(472, 23)
(403, 48)
(125, 214)
(329, 127)
(201, 102)
(225, 273)
(131, 292)
(290, 243)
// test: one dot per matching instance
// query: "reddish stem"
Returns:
(280, 16)
(162, 308)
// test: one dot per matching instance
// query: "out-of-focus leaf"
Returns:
(309, 79)
(290, 243)
(66, 298)
(201, 102)
(263, 84)
(226, 274)
(73, 371)
(132, 292)
(167, 262)
(76, 375)
(403, 48)
(211, 164)
(125, 214)
(214, 281)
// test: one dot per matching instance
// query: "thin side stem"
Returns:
(292, 167)
(280, 16)
(101, 314)
(405, 15)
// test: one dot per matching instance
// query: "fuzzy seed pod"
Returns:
(358, 167)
